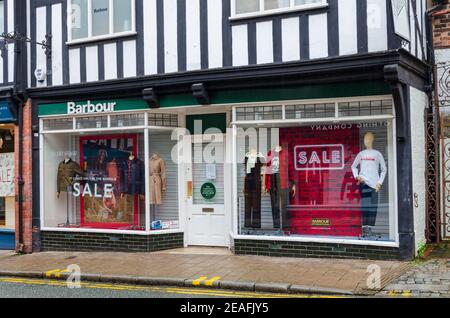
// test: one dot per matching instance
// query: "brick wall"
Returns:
(441, 27)
(27, 179)
(86, 242)
(314, 250)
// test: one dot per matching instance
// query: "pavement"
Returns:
(211, 268)
(428, 278)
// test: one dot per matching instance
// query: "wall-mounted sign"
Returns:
(208, 191)
(5, 113)
(90, 107)
(400, 14)
(7, 188)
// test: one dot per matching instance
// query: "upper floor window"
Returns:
(243, 8)
(2, 16)
(94, 19)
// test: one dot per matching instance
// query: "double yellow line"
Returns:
(205, 281)
(167, 290)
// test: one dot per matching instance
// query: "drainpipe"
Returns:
(20, 97)
(19, 104)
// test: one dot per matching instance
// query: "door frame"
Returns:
(187, 177)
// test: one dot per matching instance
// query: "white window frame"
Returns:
(393, 218)
(3, 28)
(146, 129)
(263, 12)
(111, 35)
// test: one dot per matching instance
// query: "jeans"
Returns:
(253, 201)
(369, 205)
(279, 198)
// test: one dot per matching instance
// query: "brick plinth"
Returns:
(87, 242)
(314, 250)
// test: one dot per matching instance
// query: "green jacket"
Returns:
(66, 174)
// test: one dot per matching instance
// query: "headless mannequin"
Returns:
(370, 181)
(66, 160)
(131, 157)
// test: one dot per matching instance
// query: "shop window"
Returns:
(94, 181)
(7, 141)
(254, 7)
(105, 182)
(324, 180)
(108, 18)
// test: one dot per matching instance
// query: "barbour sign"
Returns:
(91, 107)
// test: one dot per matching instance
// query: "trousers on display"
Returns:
(369, 205)
(279, 198)
(253, 201)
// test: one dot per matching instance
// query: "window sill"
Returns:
(238, 17)
(102, 38)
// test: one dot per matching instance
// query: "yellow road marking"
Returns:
(58, 274)
(211, 281)
(198, 281)
(50, 273)
(171, 290)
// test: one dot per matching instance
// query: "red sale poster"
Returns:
(326, 199)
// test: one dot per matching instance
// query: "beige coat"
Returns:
(158, 179)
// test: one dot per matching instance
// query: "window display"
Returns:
(114, 186)
(123, 181)
(322, 180)
(105, 190)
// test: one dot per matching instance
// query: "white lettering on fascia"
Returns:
(90, 108)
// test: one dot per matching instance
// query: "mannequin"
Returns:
(158, 182)
(276, 182)
(132, 179)
(67, 171)
(370, 177)
(252, 188)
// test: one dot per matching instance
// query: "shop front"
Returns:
(294, 173)
(7, 178)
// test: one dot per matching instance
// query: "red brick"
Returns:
(27, 216)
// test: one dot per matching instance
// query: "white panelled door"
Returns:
(207, 223)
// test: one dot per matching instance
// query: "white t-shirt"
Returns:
(370, 163)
